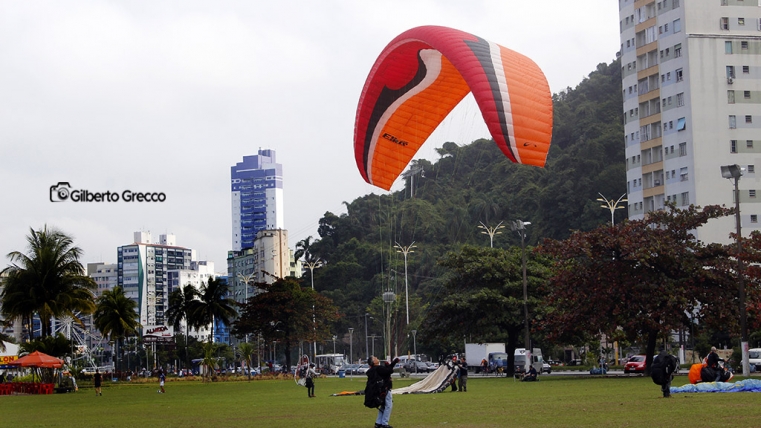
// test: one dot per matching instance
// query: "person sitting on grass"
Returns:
(530, 375)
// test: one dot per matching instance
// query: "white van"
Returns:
(754, 358)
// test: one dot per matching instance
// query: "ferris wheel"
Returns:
(74, 328)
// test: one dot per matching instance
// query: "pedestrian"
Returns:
(484, 366)
(98, 381)
(382, 371)
(456, 369)
(162, 379)
(662, 371)
(310, 375)
(463, 375)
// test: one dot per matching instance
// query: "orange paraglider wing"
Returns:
(423, 74)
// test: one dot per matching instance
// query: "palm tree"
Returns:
(49, 281)
(246, 352)
(302, 249)
(213, 305)
(182, 303)
(116, 315)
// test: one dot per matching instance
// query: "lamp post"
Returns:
(334, 343)
(388, 298)
(414, 347)
(367, 351)
(312, 265)
(351, 344)
(735, 172)
(612, 206)
(491, 231)
(520, 227)
(246, 279)
(406, 250)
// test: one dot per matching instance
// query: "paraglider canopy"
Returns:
(423, 74)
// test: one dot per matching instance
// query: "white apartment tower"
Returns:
(691, 77)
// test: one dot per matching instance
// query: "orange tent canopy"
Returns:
(38, 359)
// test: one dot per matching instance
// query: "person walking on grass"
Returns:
(98, 381)
(310, 375)
(162, 379)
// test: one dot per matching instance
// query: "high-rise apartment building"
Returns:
(257, 197)
(691, 77)
(143, 273)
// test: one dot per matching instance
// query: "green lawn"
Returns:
(555, 401)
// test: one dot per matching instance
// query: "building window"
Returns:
(679, 75)
(732, 121)
(752, 193)
(731, 97)
(746, 95)
(751, 169)
(677, 26)
(724, 23)
(749, 144)
(728, 48)
(681, 124)
(748, 119)
(746, 69)
(730, 71)
(682, 149)
(740, 21)
(754, 218)
(683, 174)
(678, 50)
(685, 198)
(744, 45)
(680, 99)
(733, 146)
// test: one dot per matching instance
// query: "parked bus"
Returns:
(329, 363)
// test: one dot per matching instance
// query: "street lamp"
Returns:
(612, 206)
(311, 265)
(406, 250)
(491, 231)
(334, 343)
(388, 298)
(246, 279)
(414, 347)
(351, 344)
(520, 227)
(735, 172)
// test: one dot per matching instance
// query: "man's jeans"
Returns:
(384, 411)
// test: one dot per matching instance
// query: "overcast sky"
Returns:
(165, 96)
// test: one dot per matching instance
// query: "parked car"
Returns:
(412, 366)
(636, 364)
(351, 369)
(432, 366)
(363, 368)
(546, 368)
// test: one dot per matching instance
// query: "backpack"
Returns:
(374, 392)
(662, 368)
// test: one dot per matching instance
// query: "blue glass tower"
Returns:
(257, 197)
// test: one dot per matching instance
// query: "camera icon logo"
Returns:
(60, 192)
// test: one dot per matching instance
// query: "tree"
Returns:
(182, 302)
(56, 346)
(479, 281)
(284, 312)
(303, 250)
(116, 315)
(246, 352)
(213, 304)
(640, 278)
(49, 281)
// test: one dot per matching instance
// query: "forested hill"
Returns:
(473, 182)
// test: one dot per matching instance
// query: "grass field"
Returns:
(555, 401)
